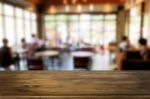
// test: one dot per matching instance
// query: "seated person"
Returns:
(123, 47)
(6, 57)
(34, 40)
(24, 44)
(125, 44)
(32, 46)
(41, 47)
(143, 48)
(24, 48)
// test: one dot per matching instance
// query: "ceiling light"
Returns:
(91, 7)
(67, 8)
(52, 9)
(79, 8)
(74, 1)
(85, 0)
(108, 8)
(30, 9)
(65, 1)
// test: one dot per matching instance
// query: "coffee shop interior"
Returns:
(74, 35)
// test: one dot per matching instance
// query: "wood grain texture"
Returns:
(77, 97)
(75, 85)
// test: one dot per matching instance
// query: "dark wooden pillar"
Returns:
(127, 22)
(142, 19)
(120, 23)
(40, 23)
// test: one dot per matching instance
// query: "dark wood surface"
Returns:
(75, 85)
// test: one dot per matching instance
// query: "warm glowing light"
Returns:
(52, 9)
(74, 1)
(79, 8)
(30, 9)
(65, 1)
(67, 8)
(108, 8)
(91, 7)
(135, 12)
(85, 0)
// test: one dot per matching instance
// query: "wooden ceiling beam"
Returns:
(43, 5)
(70, 2)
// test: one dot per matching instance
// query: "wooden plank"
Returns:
(76, 97)
(67, 84)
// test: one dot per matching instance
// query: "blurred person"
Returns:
(34, 40)
(143, 48)
(24, 50)
(47, 44)
(24, 45)
(41, 46)
(125, 44)
(59, 42)
(6, 56)
(123, 47)
(102, 49)
(32, 46)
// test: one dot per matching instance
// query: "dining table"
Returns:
(82, 54)
(82, 59)
(49, 57)
(49, 53)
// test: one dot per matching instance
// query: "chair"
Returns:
(133, 55)
(136, 65)
(86, 49)
(16, 60)
(35, 64)
(82, 62)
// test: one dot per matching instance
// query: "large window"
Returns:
(27, 25)
(97, 29)
(9, 24)
(73, 28)
(10, 30)
(1, 25)
(19, 25)
(135, 25)
(110, 29)
(146, 21)
(50, 28)
(146, 27)
(33, 23)
(61, 28)
(88, 28)
(84, 29)
(16, 23)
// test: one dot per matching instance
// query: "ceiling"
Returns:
(44, 5)
(74, 2)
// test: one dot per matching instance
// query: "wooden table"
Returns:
(75, 85)
(113, 48)
(50, 53)
(82, 59)
(20, 51)
(82, 54)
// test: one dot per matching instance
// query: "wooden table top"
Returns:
(20, 51)
(82, 54)
(74, 85)
(47, 53)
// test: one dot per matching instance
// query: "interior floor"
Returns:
(100, 62)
